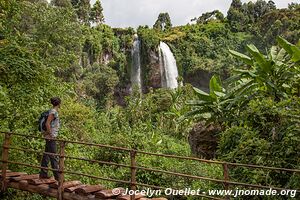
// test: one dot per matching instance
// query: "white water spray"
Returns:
(136, 63)
(168, 67)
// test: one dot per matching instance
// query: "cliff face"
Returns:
(154, 70)
(151, 74)
(203, 140)
(199, 79)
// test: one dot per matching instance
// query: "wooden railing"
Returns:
(133, 153)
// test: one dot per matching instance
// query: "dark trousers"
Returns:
(50, 148)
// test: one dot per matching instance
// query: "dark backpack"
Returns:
(42, 121)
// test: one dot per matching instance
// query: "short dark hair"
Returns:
(55, 101)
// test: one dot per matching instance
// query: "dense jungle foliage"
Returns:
(64, 48)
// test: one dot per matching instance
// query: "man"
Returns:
(52, 128)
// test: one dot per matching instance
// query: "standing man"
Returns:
(52, 128)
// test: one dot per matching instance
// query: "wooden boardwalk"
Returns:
(73, 190)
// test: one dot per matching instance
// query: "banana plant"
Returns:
(210, 107)
(294, 52)
(267, 75)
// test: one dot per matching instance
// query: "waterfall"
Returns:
(136, 63)
(168, 67)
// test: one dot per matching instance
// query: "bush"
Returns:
(267, 134)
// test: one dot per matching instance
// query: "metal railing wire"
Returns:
(133, 165)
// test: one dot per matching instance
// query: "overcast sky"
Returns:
(125, 13)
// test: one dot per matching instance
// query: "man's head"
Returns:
(55, 101)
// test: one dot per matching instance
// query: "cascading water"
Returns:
(168, 67)
(136, 63)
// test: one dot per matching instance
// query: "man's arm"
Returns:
(49, 120)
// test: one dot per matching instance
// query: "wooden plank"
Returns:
(41, 181)
(160, 198)
(13, 174)
(40, 189)
(25, 177)
(128, 197)
(66, 184)
(104, 194)
(89, 189)
(74, 196)
(47, 191)
(6, 171)
(23, 184)
(72, 189)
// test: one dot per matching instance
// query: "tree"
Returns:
(96, 15)
(83, 9)
(237, 4)
(75, 2)
(260, 8)
(29, 58)
(61, 3)
(294, 6)
(242, 17)
(100, 82)
(205, 17)
(271, 5)
(163, 22)
(235, 15)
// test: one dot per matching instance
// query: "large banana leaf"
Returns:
(202, 112)
(215, 86)
(219, 94)
(243, 87)
(291, 49)
(264, 64)
(197, 103)
(273, 52)
(203, 95)
(246, 73)
(246, 59)
(281, 55)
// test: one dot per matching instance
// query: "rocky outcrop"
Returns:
(199, 79)
(154, 70)
(203, 140)
(120, 95)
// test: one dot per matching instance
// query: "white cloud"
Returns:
(124, 13)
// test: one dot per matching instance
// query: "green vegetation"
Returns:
(163, 22)
(250, 106)
(259, 113)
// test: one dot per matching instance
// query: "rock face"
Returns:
(199, 79)
(120, 94)
(203, 140)
(154, 71)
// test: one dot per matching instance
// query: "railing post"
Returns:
(60, 191)
(133, 172)
(226, 177)
(5, 152)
